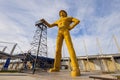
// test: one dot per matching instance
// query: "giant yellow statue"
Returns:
(65, 24)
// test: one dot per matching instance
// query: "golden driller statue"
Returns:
(65, 24)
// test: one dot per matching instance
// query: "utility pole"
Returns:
(118, 47)
(116, 42)
(4, 48)
(86, 53)
(13, 48)
(102, 62)
(100, 49)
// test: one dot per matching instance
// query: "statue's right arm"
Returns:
(49, 25)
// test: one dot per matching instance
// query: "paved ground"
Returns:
(63, 75)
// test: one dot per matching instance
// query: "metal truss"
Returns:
(39, 43)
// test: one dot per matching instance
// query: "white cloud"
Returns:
(107, 25)
(12, 32)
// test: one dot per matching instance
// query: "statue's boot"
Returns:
(75, 72)
(54, 70)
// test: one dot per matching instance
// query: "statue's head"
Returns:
(62, 13)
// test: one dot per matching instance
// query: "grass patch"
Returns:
(118, 77)
(9, 71)
(108, 72)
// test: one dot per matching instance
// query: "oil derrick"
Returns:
(39, 44)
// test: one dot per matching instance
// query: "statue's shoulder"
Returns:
(69, 18)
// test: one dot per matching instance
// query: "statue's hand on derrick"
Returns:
(42, 21)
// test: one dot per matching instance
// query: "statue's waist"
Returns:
(63, 27)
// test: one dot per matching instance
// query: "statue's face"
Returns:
(63, 14)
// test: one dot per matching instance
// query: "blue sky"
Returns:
(99, 19)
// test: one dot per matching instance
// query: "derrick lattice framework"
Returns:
(39, 43)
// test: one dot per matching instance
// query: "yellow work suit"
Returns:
(65, 24)
(63, 34)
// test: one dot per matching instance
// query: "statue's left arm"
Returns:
(74, 23)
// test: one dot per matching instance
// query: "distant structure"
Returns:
(6, 56)
(35, 58)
